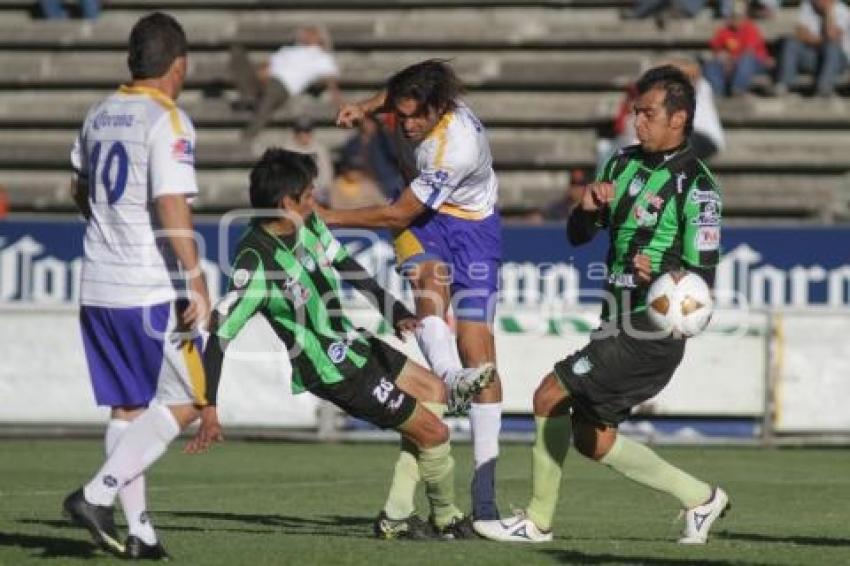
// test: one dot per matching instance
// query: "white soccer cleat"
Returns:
(465, 384)
(518, 528)
(698, 520)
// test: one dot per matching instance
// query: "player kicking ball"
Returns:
(287, 268)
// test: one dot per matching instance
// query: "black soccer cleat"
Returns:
(97, 519)
(410, 528)
(138, 550)
(459, 529)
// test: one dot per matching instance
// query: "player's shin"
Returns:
(145, 440)
(551, 443)
(437, 344)
(132, 495)
(640, 464)
(436, 467)
(400, 500)
(486, 420)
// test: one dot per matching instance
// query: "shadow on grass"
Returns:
(50, 547)
(792, 539)
(59, 524)
(576, 557)
(325, 526)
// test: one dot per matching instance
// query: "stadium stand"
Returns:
(544, 76)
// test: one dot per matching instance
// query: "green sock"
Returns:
(400, 501)
(639, 463)
(436, 466)
(547, 460)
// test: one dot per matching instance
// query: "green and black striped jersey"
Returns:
(666, 206)
(294, 282)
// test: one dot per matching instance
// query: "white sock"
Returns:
(438, 345)
(132, 495)
(486, 421)
(143, 442)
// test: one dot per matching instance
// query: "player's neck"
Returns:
(158, 84)
(282, 227)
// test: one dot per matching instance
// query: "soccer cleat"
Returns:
(465, 384)
(518, 528)
(459, 529)
(411, 528)
(698, 520)
(138, 550)
(97, 519)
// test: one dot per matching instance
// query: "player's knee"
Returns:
(549, 397)
(437, 433)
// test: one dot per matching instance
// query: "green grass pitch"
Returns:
(288, 503)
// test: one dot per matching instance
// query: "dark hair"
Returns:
(280, 173)
(679, 91)
(155, 42)
(432, 83)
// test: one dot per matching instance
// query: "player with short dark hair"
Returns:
(662, 209)
(448, 245)
(141, 283)
(287, 269)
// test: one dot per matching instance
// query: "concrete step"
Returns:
(506, 69)
(67, 108)
(507, 27)
(751, 195)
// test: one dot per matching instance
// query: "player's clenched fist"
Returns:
(349, 114)
(597, 196)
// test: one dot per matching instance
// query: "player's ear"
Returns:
(679, 119)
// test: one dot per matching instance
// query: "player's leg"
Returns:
(476, 258)
(428, 434)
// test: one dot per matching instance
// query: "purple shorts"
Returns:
(133, 357)
(471, 248)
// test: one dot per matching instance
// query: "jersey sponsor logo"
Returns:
(709, 215)
(582, 366)
(308, 262)
(655, 201)
(636, 186)
(241, 278)
(645, 218)
(183, 151)
(107, 120)
(701, 197)
(296, 292)
(435, 179)
(622, 280)
(707, 239)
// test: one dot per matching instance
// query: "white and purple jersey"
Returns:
(134, 146)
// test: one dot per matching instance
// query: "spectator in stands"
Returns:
(371, 148)
(306, 66)
(660, 8)
(303, 140)
(561, 208)
(820, 44)
(54, 10)
(738, 54)
(754, 8)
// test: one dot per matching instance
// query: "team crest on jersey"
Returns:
(645, 219)
(337, 351)
(636, 186)
(183, 151)
(241, 278)
(582, 365)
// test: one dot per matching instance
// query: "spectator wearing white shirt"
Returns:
(306, 66)
(821, 45)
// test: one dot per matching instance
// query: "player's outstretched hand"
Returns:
(597, 195)
(643, 268)
(208, 433)
(405, 326)
(349, 114)
(196, 314)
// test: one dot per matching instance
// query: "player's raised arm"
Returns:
(350, 113)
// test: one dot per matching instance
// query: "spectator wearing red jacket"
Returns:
(739, 54)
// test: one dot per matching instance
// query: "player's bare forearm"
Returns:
(175, 217)
(397, 215)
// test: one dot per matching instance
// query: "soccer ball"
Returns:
(680, 303)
